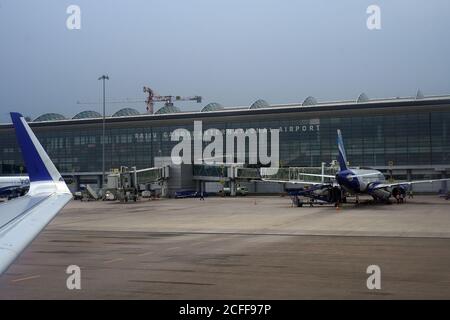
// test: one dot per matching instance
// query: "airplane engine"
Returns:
(322, 192)
(380, 194)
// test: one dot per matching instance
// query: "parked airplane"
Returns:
(352, 181)
(13, 186)
(21, 219)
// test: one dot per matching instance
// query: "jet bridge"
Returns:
(145, 177)
(126, 184)
(224, 173)
(150, 175)
(229, 173)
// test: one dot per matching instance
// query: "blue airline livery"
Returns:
(353, 181)
(23, 218)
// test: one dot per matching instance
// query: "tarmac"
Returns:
(238, 248)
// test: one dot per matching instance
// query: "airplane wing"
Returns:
(23, 218)
(334, 177)
(297, 182)
(405, 183)
(316, 175)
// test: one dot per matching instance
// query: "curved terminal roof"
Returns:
(259, 104)
(419, 94)
(309, 101)
(87, 114)
(168, 109)
(213, 106)
(126, 112)
(50, 117)
(362, 98)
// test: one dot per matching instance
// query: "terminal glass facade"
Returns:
(375, 140)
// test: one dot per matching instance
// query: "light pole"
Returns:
(103, 78)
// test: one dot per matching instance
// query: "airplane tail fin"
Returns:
(38, 164)
(342, 159)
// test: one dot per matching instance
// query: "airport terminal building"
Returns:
(407, 138)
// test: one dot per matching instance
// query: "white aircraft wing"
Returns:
(299, 181)
(23, 218)
(296, 182)
(316, 175)
(406, 183)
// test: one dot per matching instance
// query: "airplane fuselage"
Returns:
(14, 181)
(359, 181)
(13, 186)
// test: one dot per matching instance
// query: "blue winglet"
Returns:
(37, 162)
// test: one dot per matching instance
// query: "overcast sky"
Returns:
(232, 52)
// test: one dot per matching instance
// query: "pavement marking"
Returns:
(26, 278)
(113, 260)
(145, 253)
